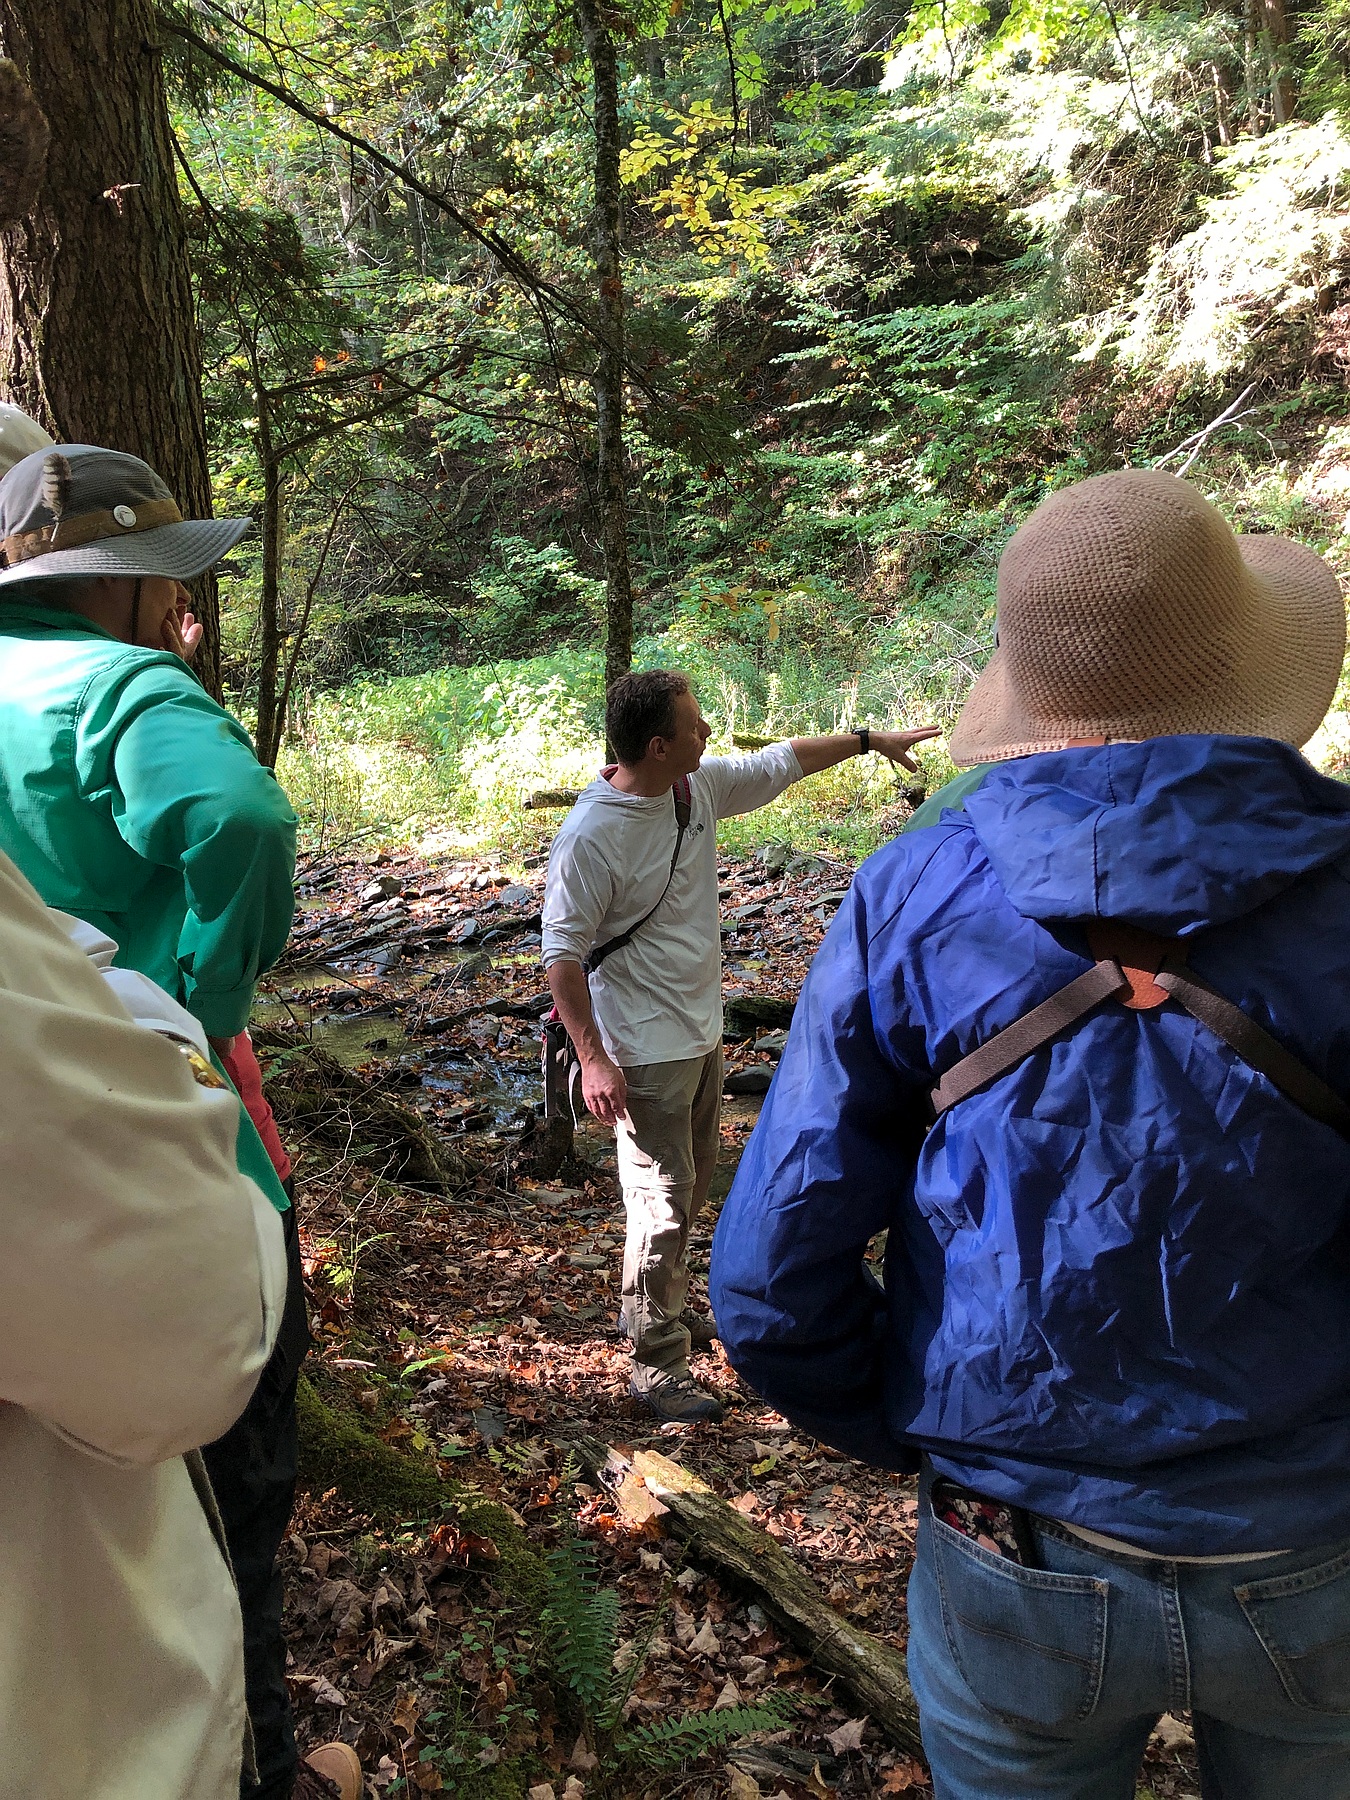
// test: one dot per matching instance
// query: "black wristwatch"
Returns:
(864, 737)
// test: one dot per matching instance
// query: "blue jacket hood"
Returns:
(1173, 834)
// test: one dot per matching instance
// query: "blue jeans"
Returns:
(1044, 1683)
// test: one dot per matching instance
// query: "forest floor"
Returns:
(472, 1325)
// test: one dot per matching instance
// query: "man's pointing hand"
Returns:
(897, 744)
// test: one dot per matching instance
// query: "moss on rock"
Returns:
(337, 1450)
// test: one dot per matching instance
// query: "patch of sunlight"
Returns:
(1328, 748)
(1264, 252)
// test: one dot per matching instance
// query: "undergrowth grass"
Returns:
(449, 758)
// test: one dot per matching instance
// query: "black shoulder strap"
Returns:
(1143, 971)
(682, 795)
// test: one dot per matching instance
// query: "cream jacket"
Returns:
(143, 1283)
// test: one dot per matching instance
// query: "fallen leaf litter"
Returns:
(479, 1327)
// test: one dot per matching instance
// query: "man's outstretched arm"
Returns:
(817, 753)
(742, 784)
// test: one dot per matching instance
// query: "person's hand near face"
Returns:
(166, 620)
(161, 618)
(181, 631)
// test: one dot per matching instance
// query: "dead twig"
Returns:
(1232, 414)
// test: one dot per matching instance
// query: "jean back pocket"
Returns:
(1030, 1644)
(1303, 1623)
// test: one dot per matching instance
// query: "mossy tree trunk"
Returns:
(608, 379)
(98, 336)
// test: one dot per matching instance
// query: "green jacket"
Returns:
(951, 794)
(128, 797)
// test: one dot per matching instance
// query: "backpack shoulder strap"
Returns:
(1143, 971)
(1016, 1042)
(682, 796)
(1254, 1044)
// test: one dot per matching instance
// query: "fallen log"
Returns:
(746, 1015)
(549, 798)
(872, 1671)
(315, 1097)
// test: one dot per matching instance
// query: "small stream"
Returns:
(498, 1088)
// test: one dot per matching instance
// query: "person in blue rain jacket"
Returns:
(1114, 1337)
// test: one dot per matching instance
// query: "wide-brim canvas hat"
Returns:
(83, 511)
(1128, 608)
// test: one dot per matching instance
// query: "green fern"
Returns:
(665, 1747)
(581, 1630)
(520, 1461)
(581, 1623)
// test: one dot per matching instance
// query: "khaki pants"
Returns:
(667, 1152)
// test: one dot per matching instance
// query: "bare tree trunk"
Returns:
(1221, 99)
(98, 338)
(1283, 94)
(1249, 66)
(268, 734)
(612, 482)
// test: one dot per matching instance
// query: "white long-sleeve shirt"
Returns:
(660, 998)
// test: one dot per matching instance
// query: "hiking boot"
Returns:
(310, 1785)
(702, 1328)
(678, 1399)
(332, 1772)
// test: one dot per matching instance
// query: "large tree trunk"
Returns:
(612, 472)
(98, 338)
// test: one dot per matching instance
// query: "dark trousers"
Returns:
(252, 1470)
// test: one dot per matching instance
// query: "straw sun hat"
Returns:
(1127, 609)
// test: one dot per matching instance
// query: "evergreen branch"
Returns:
(497, 247)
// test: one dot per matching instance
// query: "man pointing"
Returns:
(632, 897)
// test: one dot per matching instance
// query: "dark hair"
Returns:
(58, 591)
(641, 707)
